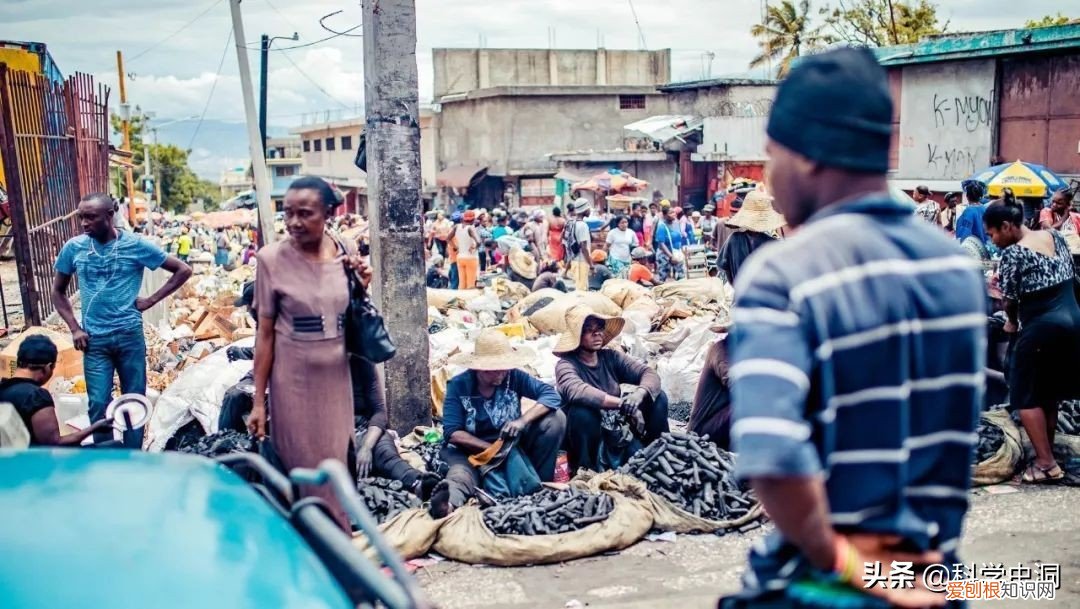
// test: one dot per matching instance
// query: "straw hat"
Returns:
(522, 263)
(664, 204)
(493, 351)
(576, 316)
(757, 214)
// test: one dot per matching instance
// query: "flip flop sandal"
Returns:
(1029, 476)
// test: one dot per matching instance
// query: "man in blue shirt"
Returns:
(668, 242)
(482, 405)
(109, 264)
(857, 353)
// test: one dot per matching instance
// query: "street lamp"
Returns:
(263, 72)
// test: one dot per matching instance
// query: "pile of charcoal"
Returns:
(431, 453)
(221, 443)
(386, 498)
(1069, 417)
(991, 437)
(548, 512)
(693, 474)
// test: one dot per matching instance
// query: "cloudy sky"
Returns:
(174, 47)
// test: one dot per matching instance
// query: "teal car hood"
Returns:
(117, 529)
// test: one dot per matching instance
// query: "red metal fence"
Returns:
(54, 137)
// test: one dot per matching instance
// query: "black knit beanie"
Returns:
(835, 108)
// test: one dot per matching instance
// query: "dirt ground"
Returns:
(1033, 525)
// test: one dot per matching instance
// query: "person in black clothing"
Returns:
(711, 413)
(435, 278)
(35, 362)
(1037, 278)
(757, 222)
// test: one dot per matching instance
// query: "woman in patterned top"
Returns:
(1037, 279)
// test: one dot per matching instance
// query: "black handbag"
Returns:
(366, 335)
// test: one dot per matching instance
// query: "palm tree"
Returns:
(785, 34)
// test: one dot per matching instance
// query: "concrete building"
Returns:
(235, 181)
(711, 129)
(503, 111)
(966, 101)
(284, 162)
(328, 150)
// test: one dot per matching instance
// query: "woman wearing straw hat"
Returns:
(588, 378)
(483, 404)
(756, 224)
(521, 267)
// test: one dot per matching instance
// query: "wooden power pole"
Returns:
(125, 115)
(395, 209)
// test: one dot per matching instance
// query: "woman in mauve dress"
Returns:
(301, 296)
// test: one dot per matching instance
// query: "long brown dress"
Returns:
(311, 411)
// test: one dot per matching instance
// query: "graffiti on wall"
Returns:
(946, 120)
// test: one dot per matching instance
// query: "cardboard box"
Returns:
(69, 362)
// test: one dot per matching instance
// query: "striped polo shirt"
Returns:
(857, 354)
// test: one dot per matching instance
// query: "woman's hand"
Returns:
(256, 422)
(1011, 327)
(360, 266)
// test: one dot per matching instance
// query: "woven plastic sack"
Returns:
(466, 538)
(1003, 464)
(623, 292)
(451, 299)
(697, 291)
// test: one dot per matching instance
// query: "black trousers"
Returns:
(386, 462)
(540, 442)
(583, 431)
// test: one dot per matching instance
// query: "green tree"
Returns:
(179, 185)
(1048, 21)
(879, 23)
(785, 34)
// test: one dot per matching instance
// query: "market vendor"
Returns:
(376, 453)
(640, 273)
(521, 267)
(588, 378)
(549, 277)
(25, 390)
(711, 413)
(483, 404)
(600, 272)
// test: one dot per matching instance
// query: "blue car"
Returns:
(120, 529)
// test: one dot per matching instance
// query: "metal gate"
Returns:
(55, 146)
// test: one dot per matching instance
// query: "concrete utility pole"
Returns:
(395, 209)
(255, 145)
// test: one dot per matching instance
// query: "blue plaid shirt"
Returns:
(857, 354)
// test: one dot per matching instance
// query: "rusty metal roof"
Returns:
(950, 47)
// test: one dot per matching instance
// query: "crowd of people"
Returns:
(585, 245)
(850, 385)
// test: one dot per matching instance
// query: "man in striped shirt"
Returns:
(857, 352)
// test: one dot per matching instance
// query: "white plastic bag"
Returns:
(680, 371)
(196, 394)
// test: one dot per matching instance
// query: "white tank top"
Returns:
(465, 242)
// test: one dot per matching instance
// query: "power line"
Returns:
(312, 81)
(641, 33)
(213, 85)
(174, 34)
(312, 43)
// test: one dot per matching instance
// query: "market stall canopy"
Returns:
(460, 177)
(1025, 179)
(613, 181)
(222, 219)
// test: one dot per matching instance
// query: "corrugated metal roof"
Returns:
(948, 47)
(718, 82)
(666, 127)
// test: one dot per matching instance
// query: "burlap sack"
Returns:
(448, 299)
(1003, 464)
(623, 292)
(411, 534)
(665, 516)
(697, 291)
(465, 537)
(550, 318)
